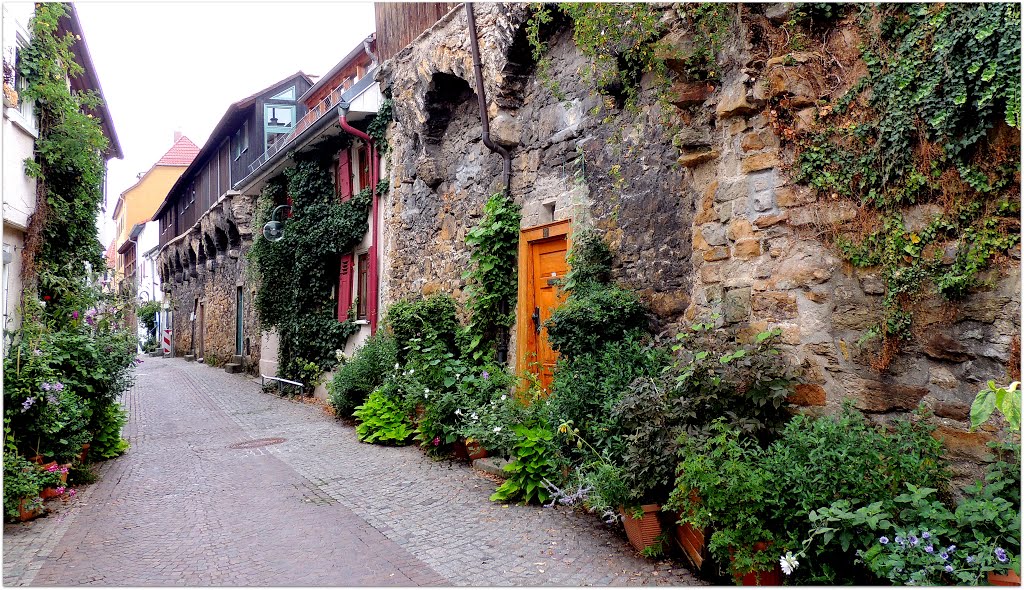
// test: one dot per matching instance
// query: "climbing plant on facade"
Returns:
(298, 275)
(68, 161)
(933, 122)
(492, 277)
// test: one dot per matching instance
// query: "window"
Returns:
(278, 121)
(20, 84)
(361, 288)
(364, 167)
(286, 95)
(241, 140)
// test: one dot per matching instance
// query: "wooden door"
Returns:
(542, 253)
(200, 329)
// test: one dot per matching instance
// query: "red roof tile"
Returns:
(111, 254)
(181, 153)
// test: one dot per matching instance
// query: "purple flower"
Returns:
(25, 405)
(58, 386)
(46, 387)
(1000, 554)
(74, 315)
(949, 568)
(52, 399)
(970, 559)
(72, 492)
(951, 548)
(883, 540)
(60, 490)
(437, 441)
(913, 540)
(899, 540)
(944, 555)
(485, 375)
(929, 549)
(37, 352)
(926, 535)
(90, 320)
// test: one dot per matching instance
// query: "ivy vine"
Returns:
(930, 123)
(378, 127)
(298, 274)
(68, 158)
(492, 277)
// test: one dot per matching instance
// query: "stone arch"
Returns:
(520, 66)
(179, 268)
(193, 270)
(220, 238)
(443, 95)
(234, 237)
(201, 252)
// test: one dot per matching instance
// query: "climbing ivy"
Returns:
(378, 128)
(298, 274)
(492, 276)
(928, 124)
(68, 158)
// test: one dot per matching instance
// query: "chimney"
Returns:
(177, 135)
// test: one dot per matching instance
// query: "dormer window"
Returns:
(241, 140)
(278, 121)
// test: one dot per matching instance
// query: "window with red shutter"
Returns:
(364, 167)
(361, 290)
(344, 287)
(343, 183)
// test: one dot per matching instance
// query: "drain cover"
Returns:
(259, 442)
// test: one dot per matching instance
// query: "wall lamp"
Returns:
(273, 231)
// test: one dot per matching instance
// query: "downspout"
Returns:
(485, 125)
(474, 46)
(371, 289)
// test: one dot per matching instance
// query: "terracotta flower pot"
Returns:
(772, 577)
(644, 531)
(693, 543)
(48, 493)
(475, 450)
(25, 514)
(85, 453)
(1010, 578)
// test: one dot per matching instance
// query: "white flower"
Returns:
(411, 371)
(788, 563)
(474, 416)
(397, 367)
(504, 397)
(458, 411)
(497, 429)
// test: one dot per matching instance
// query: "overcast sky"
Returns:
(177, 65)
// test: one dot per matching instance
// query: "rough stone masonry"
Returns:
(707, 220)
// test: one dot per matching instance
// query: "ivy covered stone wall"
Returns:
(711, 198)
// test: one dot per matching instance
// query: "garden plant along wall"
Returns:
(714, 179)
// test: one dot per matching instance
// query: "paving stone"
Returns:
(320, 509)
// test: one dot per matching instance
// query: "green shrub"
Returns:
(592, 317)
(431, 320)
(21, 480)
(490, 423)
(364, 372)
(107, 442)
(147, 315)
(382, 419)
(532, 465)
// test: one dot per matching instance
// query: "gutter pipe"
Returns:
(371, 295)
(474, 46)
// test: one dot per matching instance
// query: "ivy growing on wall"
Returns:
(492, 277)
(298, 275)
(68, 161)
(378, 128)
(930, 123)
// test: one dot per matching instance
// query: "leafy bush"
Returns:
(107, 442)
(491, 422)
(533, 464)
(382, 419)
(147, 315)
(21, 480)
(592, 317)
(364, 372)
(431, 320)
(753, 494)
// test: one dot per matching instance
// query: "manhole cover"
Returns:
(259, 442)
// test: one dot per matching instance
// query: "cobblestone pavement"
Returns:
(319, 508)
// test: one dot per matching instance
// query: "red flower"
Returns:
(46, 297)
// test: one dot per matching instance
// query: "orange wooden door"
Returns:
(544, 260)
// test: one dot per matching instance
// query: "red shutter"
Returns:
(288, 201)
(344, 287)
(344, 183)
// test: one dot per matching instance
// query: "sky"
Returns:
(167, 66)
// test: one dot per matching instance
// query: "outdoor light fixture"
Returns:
(273, 231)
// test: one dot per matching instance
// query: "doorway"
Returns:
(239, 321)
(542, 265)
(200, 330)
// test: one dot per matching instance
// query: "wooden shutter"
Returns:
(344, 287)
(344, 183)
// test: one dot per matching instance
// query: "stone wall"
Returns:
(208, 263)
(697, 201)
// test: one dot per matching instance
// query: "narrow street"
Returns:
(202, 498)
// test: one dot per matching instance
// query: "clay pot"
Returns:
(24, 514)
(1010, 578)
(772, 577)
(644, 531)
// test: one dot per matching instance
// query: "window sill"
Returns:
(362, 322)
(19, 121)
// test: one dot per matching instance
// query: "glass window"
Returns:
(286, 95)
(241, 140)
(279, 116)
(361, 290)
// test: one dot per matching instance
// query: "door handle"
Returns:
(536, 319)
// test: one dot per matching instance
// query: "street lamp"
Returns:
(273, 231)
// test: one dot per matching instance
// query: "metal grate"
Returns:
(259, 442)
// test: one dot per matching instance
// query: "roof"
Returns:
(89, 80)
(111, 257)
(216, 136)
(352, 55)
(181, 153)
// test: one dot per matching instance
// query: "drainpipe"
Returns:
(371, 289)
(474, 47)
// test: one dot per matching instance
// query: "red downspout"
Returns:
(371, 289)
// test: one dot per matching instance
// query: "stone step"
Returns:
(233, 367)
(492, 465)
(190, 357)
(237, 359)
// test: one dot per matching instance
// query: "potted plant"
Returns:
(23, 482)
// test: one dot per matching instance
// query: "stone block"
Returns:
(877, 397)
(942, 377)
(739, 229)
(769, 220)
(714, 234)
(762, 161)
(793, 196)
(941, 346)
(710, 273)
(735, 101)
(695, 159)
(492, 465)
(774, 305)
(736, 305)
(763, 201)
(746, 249)
(716, 253)
(796, 76)
(807, 394)
(963, 444)
(506, 130)
(953, 410)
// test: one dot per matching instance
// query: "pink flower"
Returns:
(72, 492)
(437, 441)
(52, 468)
(74, 314)
(60, 490)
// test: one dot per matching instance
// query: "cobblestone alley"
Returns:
(189, 505)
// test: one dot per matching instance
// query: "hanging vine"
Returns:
(298, 275)
(930, 123)
(492, 277)
(68, 159)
